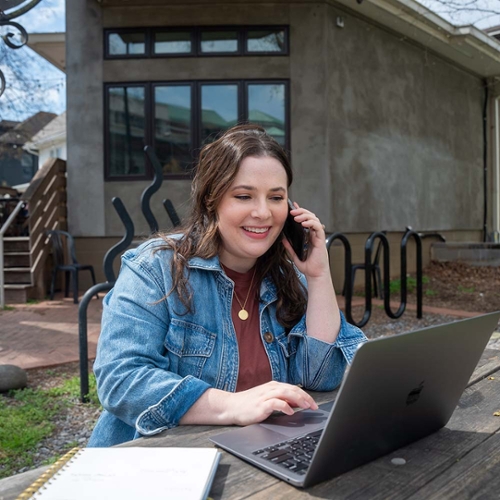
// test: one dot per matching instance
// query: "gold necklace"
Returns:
(243, 313)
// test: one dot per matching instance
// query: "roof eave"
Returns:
(467, 46)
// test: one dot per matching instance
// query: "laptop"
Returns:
(397, 390)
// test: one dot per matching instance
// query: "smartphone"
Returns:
(297, 234)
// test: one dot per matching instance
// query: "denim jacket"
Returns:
(154, 360)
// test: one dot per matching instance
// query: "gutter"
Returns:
(485, 162)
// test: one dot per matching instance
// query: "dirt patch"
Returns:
(455, 285)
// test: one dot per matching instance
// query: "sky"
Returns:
(480, 13)
(20, 100)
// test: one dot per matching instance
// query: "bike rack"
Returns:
(369, 245)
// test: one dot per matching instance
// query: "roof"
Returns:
(467, 46)
(471, 48)
(54, 131)
(50, 46)
(25, 130)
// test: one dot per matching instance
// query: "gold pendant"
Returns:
(243, 315)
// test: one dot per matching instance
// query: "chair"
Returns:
(378, 290)
(57, 237)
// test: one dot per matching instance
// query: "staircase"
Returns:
(25, 257)
(17, 269)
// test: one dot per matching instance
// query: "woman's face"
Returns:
(252, 212)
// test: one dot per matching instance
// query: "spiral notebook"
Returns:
(128, 473)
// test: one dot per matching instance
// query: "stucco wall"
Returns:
(383, 133)
(84, 56)
(405, 131)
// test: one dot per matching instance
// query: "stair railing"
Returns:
(3, 230)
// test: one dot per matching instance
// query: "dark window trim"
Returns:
(241, 30)
(196, 85)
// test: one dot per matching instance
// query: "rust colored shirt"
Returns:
(254, 367)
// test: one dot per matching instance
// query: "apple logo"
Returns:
(415, 394)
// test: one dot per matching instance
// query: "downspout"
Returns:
(485, 162)
(496, 175)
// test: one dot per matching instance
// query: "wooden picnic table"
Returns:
(460, 461)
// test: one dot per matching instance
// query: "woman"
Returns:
(221, 323)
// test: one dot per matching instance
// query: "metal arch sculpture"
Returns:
(6, 20)
(109, 258)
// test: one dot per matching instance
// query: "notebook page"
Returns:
(132, 473)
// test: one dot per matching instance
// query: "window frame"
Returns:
(196, 116)
(241, 31)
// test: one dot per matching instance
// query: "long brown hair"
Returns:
(217, 167)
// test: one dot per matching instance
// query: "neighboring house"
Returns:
(388, 110)
(18, 166)
(50, 142)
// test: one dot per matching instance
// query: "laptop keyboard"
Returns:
(294, 455)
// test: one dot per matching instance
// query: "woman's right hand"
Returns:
(216, 407)
(256, 404)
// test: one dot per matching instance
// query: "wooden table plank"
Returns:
(429, 459)
(477, 475)
(431, 462)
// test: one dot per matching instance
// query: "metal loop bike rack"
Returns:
(369, 245)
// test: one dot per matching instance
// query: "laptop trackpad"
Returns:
(301, 422)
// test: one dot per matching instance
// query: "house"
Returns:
(389, 112)
(18, 166)
(50, 141)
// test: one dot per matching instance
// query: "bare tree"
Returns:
(33, 84)
(460, 12)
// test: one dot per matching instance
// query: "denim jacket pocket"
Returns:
(189, 346)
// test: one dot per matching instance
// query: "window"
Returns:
(219, 109)
(196, 41)
(173, 42)
(172, 127)
(266, 41)
(266, 106)
(126, 43)
(219, 42)
(126, 131)
(178, 118)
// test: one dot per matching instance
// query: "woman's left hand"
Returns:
(316, 264)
